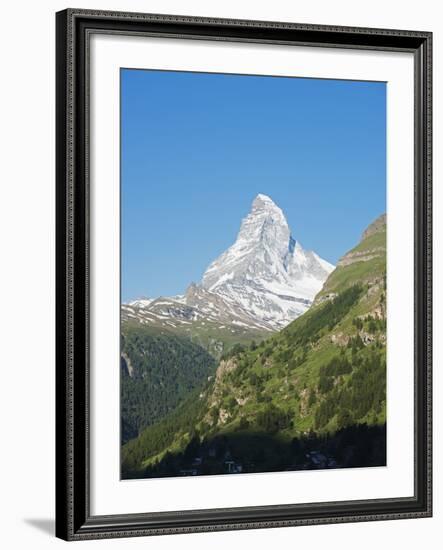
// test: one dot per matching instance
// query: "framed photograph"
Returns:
(243, 274)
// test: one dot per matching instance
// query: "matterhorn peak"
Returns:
(263, 203)
(265, 223)
(263, 200)
(264, 280)
(266, 271)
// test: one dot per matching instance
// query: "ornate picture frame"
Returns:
(75, 519)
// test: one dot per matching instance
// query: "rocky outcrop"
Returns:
(363, 252)
(126, 365)
(224, 367)
(360, 256)
(340, 339)
(375, 227)
(321, 298)
(223, 416)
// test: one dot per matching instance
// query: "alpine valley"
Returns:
(275, 361)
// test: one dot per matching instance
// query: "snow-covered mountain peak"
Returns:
(141, 302)
(263, 201)
(266, 271)
(264, 280)
(265, 223)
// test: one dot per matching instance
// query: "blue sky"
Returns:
(197, 148)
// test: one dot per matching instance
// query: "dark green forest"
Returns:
(158, 371)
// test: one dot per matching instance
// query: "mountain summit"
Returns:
(266, 271)
(264, 237)
(262, 282)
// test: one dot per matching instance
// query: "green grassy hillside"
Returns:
(217, 338)
(320, 383)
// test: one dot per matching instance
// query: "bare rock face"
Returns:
(126, 365)
(363, 256)
(375, 227)
(340, 339)
(224, 367)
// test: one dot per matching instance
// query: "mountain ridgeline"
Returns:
(311, 395)
(265, 280)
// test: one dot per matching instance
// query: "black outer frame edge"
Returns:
(72, 506)
(290, 514)
(423, 270)
(81, 291)
(259, 29)
(72, 502)
(61, 492)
